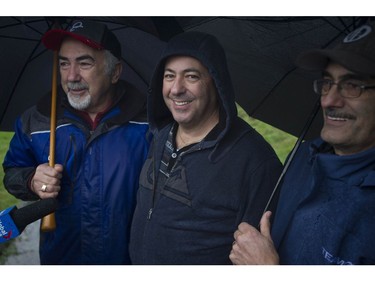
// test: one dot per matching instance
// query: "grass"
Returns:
(6, 200)
(281, 142)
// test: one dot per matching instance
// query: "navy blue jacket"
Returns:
(213, 186)
(100, 178)
(326, 211)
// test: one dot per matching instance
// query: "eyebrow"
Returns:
(185, 70)
(84, 57)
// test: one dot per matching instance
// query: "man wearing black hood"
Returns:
(208, 170)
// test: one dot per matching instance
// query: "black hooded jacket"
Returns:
(212, 187)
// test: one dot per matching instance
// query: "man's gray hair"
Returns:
(110, 63)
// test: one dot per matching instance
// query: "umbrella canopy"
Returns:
(26, 65)
(261, 52)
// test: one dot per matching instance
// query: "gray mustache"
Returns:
(77, 86)
(336, 114)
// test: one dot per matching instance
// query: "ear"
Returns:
(117, 73)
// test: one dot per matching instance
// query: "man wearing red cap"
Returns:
(326, 208)
(101, 144)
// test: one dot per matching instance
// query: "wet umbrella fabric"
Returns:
(26, 65)
(261, 52)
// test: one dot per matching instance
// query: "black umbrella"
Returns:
(261, 53)
(26, 65)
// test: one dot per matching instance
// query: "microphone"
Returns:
(13, 220)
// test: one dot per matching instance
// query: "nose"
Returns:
(178, 86)
(73, 73)
(332, 98)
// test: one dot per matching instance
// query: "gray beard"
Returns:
(79, 103)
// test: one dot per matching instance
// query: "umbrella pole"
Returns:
(307, 126)
(49, 222)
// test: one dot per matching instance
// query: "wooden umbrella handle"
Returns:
(49, 221)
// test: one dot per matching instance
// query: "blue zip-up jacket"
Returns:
(188, 214)
(100, 178)
(326, 211)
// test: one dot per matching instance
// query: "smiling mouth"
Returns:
(336, 118)
(181, 103)
(77, 91)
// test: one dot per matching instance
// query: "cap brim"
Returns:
(52, 39)
(317, 60)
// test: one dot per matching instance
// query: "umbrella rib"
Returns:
(346, 30)
(17, 81)
(26, 23)
(31, 57)
(270, 92)
(135, 71)
(287, 73)
(301, 137)
(18, 38)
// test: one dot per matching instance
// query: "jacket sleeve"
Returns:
(16, 182)
(262, 183)
(19, 165)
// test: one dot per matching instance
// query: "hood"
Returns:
(207, 49)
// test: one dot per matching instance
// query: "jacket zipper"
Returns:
(151, 210)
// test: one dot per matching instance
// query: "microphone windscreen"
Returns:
(32, 212)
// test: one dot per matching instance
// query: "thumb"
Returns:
(265, 224)
(59, 168)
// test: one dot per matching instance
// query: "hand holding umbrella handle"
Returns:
(49, 222)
